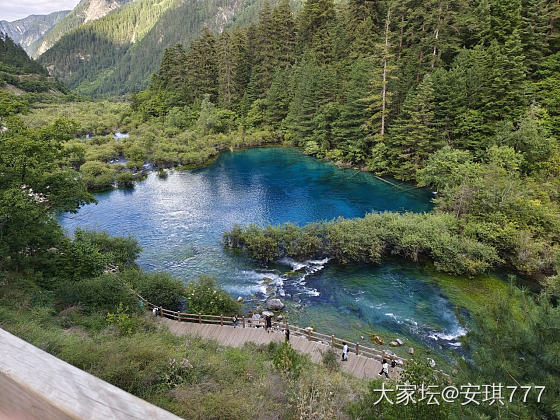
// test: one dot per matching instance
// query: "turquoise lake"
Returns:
(179, 222)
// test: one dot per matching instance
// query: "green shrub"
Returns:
(104, 292)
(330, 359)
(122, 320)
(205, 296)
(287, 360)
(161, 289)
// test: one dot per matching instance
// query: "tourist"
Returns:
(344, 352)
(384, 368)
(268, 320)
(155, 311)
(234, 319)
(287, 332)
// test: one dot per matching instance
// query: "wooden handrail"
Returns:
(310, 334)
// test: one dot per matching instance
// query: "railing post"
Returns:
(357, 349)
(199, 319)
(161, 311)
(308, 335)
(332, 341)
(243, 320)
(221, 320)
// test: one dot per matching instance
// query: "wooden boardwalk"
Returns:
(357, 365)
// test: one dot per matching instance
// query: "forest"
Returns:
(460, 97)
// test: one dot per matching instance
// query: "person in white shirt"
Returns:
(344, 352)
(384, 368)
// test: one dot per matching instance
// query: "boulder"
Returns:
(240, 299)
(394, 344)
(410, 350)
(274, 305)
(377, 340)
(280, 317)
(266, 279)
(399, 341)
(267, 313)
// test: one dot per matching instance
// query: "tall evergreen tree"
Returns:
(413, 137)
(283, 34)
(316, 28)
(202, 68)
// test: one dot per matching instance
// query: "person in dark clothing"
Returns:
(268, 320)
(287, 332)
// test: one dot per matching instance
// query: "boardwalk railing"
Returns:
(309, 333)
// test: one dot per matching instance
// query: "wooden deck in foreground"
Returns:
(357, 365)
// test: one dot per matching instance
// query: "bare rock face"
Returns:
(99, 8)
(274, 305)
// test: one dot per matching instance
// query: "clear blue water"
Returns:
(179, 222)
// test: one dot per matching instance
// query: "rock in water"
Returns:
(411, 350)
(377, 340)
(399, 341)
(274, 305)
(240, 299)
(267, 313)
(394, 344)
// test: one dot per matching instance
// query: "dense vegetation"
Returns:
(460, 97)
(117, 53)
(75, 18)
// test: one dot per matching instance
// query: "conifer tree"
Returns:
(535, 19)
(316, 24)
(283, 34)
(172, 68)
(413, 136)
(202, 68)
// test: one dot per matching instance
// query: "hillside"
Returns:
(119, 52)
(29, 32)
(86, 11)
(19, 73)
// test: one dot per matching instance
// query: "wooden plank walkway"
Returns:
(357, 365)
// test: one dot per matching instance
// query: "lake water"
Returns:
(179, 222)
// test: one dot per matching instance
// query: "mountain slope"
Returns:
(86, 11)
(19, 73)
(29, 31)
(118, 52)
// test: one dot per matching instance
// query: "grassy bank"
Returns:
(192, 378)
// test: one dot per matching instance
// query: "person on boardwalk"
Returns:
(344, 352)
(287, 332)
(234, 320)
(268, 321)
(384, 368)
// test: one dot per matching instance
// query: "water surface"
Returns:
(179, 222)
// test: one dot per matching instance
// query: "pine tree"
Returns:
(316, 27)
(263, 69)
(227, 70)
(283, 34)
(350, 132)
(278, 97)
(202, 68)
(413, 136)
(505, 97)
(363, 19)
(172, 68)
(379, 96)
(534, 28)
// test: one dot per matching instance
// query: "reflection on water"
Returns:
(179, 222)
